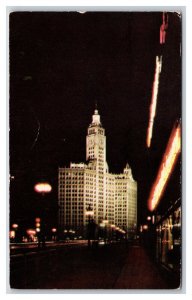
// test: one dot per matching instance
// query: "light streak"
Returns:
(163, 28)
(167, 165)
(152, 110)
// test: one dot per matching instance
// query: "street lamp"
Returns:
(54, 231)
(105, 222)
(89, 213)
(15, 228)
(112, 231)
(42, 188)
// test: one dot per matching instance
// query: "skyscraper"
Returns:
(111, 197)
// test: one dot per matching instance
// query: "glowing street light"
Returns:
(43, 187)
(145, 227)
(54, 231)
(89, 213)
(13, 232)
(105, 222)
(15, 226)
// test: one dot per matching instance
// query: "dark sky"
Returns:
(60, 65)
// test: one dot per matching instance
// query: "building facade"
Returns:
(83, 186)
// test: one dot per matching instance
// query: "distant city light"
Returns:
(89, 213)
(31, 231)
(145, 227)
(166, 167)
(54, 229)
(43, 187)
(152, 111)
(105, 221)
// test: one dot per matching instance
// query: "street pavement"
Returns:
(114, 266)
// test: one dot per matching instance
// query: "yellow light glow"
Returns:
(105, 222)
(12, 234)
(43, 187)
(166, 167)
(145, 227)
(154, 100)
(89, 213)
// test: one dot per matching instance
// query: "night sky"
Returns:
(61, 64)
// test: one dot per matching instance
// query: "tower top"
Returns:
(96, 118)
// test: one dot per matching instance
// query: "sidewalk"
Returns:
(110, 267)
(140, 272)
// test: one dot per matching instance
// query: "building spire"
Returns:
(95, 117)
(96, 109)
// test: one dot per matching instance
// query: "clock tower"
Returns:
(96, 143)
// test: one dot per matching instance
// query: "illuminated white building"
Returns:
(83, 185)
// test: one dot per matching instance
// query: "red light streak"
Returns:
(163, 28)
(152, 110)
(167, 165)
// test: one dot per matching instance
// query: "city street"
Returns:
(113, 266)
(18, 248)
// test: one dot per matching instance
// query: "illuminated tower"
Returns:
(96, 143)
(111, 197)
(96, 158)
